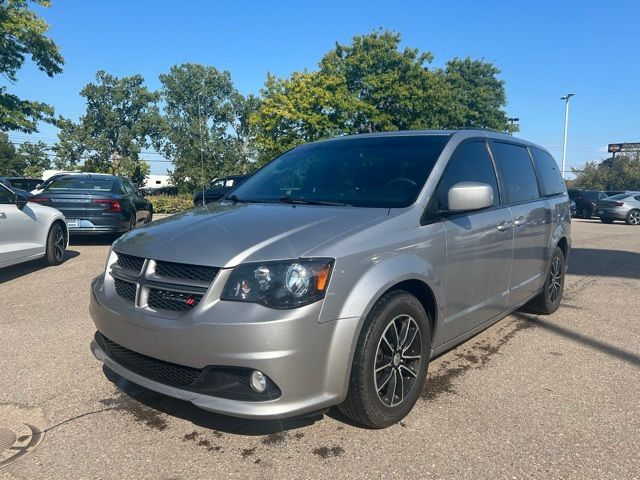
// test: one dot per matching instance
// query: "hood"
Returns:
(226, 235)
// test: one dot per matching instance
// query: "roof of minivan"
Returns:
(464, 132)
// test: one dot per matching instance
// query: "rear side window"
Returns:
(469, 163)
(551, 181)
(6, 196)
(514, 164)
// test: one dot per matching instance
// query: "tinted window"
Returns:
(514, 164)
(385, 171)
(469, 163)
(81, 183)
(551, 181)
(595, 195)
(6, 196)
(637, 197)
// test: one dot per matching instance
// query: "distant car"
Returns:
(96, 203)
(624, 206)
(24, 183)
(573, 208)
(29, 231)
(217, 189)
(166, 190)
(7, 183)
(586, 201)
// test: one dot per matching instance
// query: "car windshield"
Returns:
(387, 171)
(81, 183)
(595, 195)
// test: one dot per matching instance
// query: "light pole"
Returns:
(566, 126)
(511, 121)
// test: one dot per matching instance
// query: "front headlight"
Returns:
(283, 284)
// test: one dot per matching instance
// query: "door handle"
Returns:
(520, 221)
(3, 215)
(504, 226)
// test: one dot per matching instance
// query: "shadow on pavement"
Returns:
(106, 239)
(21, 269)
(604, 263)
(187, 411)
(604, 347)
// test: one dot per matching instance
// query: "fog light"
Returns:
(258, 381)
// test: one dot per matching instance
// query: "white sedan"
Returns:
(29, 231)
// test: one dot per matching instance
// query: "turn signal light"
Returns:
(39, 200)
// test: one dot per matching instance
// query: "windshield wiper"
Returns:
(302, 201)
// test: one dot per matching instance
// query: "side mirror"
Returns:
(466, 196)
(21, 201)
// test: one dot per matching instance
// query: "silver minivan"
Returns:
(334, 273)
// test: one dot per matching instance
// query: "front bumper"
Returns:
(308, 361)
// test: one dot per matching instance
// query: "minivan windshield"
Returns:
(385, 171)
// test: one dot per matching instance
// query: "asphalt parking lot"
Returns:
(531, 397)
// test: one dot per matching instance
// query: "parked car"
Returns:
(586, 201)
(334, 273)
(166, 190)
(7, 183)
(624, 206)
(29, 231)
(96, 203)
(24, 183)
(572, 208)
(217, 189)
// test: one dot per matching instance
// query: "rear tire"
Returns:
(633, 217)
(551, 296)
(390, 362)
(606, 220)
(56, 244)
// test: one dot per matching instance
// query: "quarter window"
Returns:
(551, 182)
(469, 163)
(6, 196)
(514, 164)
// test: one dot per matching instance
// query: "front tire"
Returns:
(551, 296)
(606, 220)
(56, 244)
(390, 362)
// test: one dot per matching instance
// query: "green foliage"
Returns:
(22, 34)
(9, 160)
(120, 119)
(170, 204)
(204, 116)
(372, 85)
(136, 171)
(623, 173)
(34, 158)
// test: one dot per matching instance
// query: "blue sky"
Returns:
(543, 48)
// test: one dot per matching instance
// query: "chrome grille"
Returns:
(171, 300)
(126, 290)
(129, 262)
(185, 271)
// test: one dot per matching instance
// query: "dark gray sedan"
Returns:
(96, 203)
(624, 206)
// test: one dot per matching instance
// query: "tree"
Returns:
(10, 163)
(22, 33)
(120, 120)
(71, 145)
(372, 85)
(206, 119)
(623, 173)
(34, 158)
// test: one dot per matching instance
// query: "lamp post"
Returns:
(511, 121)
(566, 126)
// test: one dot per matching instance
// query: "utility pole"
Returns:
(566, 126)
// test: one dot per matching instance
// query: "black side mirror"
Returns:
(21, 201)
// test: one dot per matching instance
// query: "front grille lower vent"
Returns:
(129, 262)
(171, 300)
(126, 290)
(164, 372)
(185, 271)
